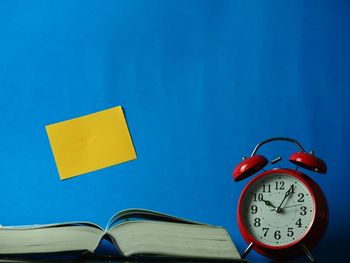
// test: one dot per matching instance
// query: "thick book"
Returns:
(134, 233)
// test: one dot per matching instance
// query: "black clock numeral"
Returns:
(290, 232)
(257, 222)
(301, 197)
(266, 188)
(266, 229)
(277, 235)
(298, 222)
(279, 185)
(303, 210)
(254, 209)
(258, 197)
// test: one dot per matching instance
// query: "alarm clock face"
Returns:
(277, 209)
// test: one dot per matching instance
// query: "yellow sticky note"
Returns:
(90, 142)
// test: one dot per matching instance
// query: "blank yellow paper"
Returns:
(91, 142)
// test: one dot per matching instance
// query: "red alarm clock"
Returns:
(282, 212)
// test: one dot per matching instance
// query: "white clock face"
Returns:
(277, 209)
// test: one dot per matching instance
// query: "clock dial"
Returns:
(277, 209)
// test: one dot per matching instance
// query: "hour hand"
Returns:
(268, 203)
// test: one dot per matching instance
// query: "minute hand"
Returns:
(278, 209)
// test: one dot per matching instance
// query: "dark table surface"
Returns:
(114, 259)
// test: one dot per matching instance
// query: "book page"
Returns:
(54, 225)
(49, 239)
(138, 213)
(149, 237)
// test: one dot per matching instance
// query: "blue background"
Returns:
(201, 82)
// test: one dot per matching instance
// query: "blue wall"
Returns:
(201, 82)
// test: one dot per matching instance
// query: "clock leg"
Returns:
(307, 252)
(247, 250)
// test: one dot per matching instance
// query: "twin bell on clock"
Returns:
(282, 212)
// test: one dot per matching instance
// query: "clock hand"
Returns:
(288, 206)
(292, 206)
(278, 209)
(268, 203)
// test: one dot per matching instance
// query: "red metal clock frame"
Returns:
(311, 237)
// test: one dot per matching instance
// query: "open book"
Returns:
(134, 232)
